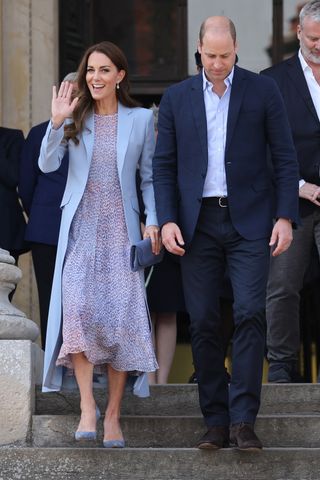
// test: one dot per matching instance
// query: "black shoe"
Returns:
(243, 437)
(216, 437)
(193, 378)
(280, 372)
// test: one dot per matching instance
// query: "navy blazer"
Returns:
(256, 120)
(41, 193)
(11, 216)
(304, 121)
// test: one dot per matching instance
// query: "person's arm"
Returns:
(165, 164)
(10, 150)
(165, 179)
(286, 172)
(283, 156)
(145, 172)
(53, 147)
(151, 230)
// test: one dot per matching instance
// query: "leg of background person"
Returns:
(83, 370)
(43, 257)
(166, 337)
(116, 386)
(248, 262)
(152, 376)
(283, 300)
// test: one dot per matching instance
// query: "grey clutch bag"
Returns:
(141, 255)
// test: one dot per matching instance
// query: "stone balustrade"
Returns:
(21, 360)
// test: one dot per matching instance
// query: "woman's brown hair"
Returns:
(86, 102)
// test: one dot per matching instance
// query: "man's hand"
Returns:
(310, 192)
(172, 238)
(281, 236)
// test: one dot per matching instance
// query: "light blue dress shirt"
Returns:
(215, 184)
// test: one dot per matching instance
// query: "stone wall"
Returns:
(28, 69)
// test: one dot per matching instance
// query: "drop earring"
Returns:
(118, 86)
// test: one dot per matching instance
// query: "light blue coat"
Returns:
(135, 148)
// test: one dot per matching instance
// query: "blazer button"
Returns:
(203, 175)
(199, 199)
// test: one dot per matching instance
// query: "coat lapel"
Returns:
(125, 123)
(199, 113)
(296, 74)
(88, 137)
(237, 91)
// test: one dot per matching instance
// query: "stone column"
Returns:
(20, 360)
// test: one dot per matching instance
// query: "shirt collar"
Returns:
(304, 64)
(208, 85)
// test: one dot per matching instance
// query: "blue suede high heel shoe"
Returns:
(113, 443)
(88, 435)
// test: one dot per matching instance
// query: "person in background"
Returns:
(299, 81)
(216, 199)
(98, 314)
(41, 195)
(11, 214)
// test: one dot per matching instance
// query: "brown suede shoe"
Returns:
(216, 437)
(243, 437)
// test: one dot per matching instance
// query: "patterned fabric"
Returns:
(104, 309)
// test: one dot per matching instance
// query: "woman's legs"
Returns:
(164, 341)
(83, 370)
(152, 376)
(116, 386)
(166, 337)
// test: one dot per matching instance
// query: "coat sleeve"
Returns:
(165, 164)
(283, 155)
(53, 149)
(145, 170)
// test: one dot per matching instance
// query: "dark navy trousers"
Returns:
(215, 246)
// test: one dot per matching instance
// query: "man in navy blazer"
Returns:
(11, 215)
(41, 196)
(298, 79)
(216, 196)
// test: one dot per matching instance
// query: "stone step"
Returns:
(176, 432)
(183, 398)
(158, 464)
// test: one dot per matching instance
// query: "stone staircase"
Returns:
(160, 432)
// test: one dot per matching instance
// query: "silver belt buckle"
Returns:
(220, 202)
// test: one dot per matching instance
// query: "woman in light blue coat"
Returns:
(98, 315)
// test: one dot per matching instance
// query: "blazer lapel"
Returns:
(125, 123)
(296, 74)
(199, 113)
(237, 91)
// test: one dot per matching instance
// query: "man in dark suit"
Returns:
(11, 215)
(299, 81)
(214, 196)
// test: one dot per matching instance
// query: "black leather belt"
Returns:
(216, 201)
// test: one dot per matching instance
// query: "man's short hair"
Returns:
(310, 9)
(71, 77)
(204, 28)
